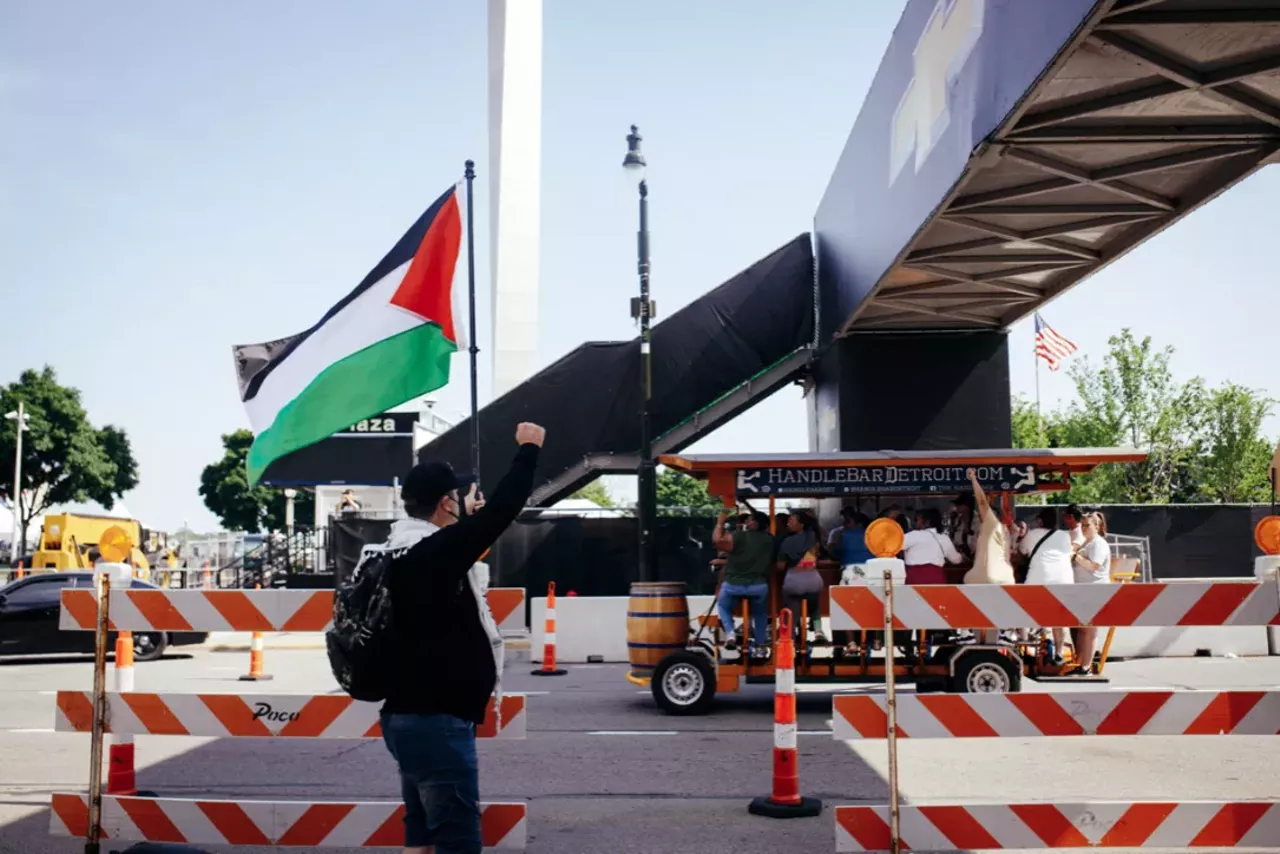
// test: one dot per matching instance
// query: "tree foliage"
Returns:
(64, 457)
(224, 486)
(676, 489)
(596, 493)
(1203, 444)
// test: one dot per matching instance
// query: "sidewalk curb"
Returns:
(518, 649)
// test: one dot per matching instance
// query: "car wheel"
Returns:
(986, 671)
(148, 646)
(684, 683)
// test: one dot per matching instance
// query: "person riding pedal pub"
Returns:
(450, 649)
(749, 557)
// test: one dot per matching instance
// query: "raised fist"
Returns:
(530, 434)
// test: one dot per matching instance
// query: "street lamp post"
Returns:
(642, 310)
(21, 417)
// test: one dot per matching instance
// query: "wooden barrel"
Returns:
(657, 623)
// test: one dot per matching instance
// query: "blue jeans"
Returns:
(758, 596)
(439, 780)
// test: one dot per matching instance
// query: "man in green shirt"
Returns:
(746, 576)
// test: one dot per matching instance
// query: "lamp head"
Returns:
(634, 161)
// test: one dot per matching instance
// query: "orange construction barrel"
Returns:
(657, 623)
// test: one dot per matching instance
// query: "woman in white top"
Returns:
(1049, 548)
(1092, 566)
(925, 548)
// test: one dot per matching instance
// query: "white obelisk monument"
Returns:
(514, 179)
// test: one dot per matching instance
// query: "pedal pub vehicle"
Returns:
(685, 662)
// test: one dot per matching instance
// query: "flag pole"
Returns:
(470, 173)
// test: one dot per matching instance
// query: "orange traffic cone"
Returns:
(256, 673)
(786, 800)
(549, 638)
(120, 768)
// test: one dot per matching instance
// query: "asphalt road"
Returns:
(604, 771)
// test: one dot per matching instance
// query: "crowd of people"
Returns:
(1067, 547)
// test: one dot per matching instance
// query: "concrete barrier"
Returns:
(592, 628)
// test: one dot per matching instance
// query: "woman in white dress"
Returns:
(1092, 565)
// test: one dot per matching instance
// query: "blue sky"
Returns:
(179, 178)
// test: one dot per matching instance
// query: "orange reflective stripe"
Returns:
(1231, 823)
(954, 712)
(960, 827)
(82, 606)
(1217, 604)
(234, 714)
(233, 823)
(1041, 606)
(1132, 713)
(1136, 825)
(157, 609)
(155, 714)
(313, 616)
(1127, 604)
(1046, 713)
(391, 832)
(315, 824)
(865, 715)
(954, 606)
(316, 715)
(1047, 822)
(497, 821)
(503, 601)
(151, 820)
(74, 813)
(236, 608)
(866, 827)
(78, 709)
(1225, 712)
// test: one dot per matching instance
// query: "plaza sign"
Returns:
(883, 480)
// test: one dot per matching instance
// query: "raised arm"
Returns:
(979, 496)
(474, 534)
(722, 541)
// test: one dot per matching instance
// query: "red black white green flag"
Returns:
(387, 342)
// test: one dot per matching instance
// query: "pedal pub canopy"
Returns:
(732, 478)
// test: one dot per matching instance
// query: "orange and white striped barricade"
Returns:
(232, 610)
(999, 606)
(206, 821)
(329, 716)
(548, 667)
(785, 801)
(1075, 713)
(1021, 826)
(243, 822)
(1215, 825)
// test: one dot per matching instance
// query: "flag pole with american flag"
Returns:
(1053, 348)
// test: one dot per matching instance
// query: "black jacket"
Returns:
(445, 661)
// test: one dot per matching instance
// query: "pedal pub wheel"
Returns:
(684, 683)
(985, 671)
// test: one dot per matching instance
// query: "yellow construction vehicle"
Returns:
(70, 541)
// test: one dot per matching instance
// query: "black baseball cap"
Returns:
(427, 483)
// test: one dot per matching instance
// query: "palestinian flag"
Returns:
(388, 341)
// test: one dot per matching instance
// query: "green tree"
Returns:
(224, 486)
(64, 457)
(596, 493)
(1234, 464)
(1026, 424)
(676, 489)
(1133, 400)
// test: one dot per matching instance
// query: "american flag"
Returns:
(1051, 346)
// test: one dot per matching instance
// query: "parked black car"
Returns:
(29, 620)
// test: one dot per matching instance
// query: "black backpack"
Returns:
(360, 642)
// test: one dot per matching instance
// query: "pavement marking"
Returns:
(38, 729)
(633, 732)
